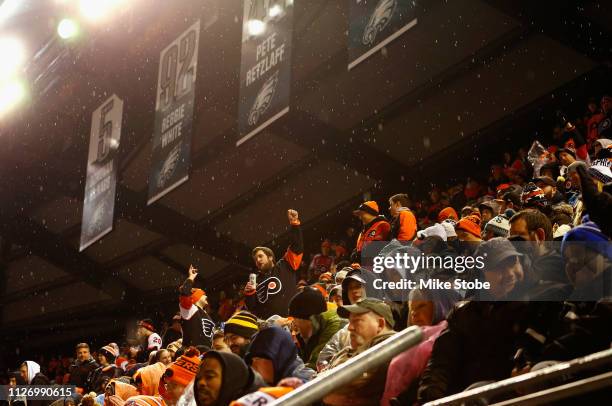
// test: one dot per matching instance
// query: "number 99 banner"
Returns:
(174, 114)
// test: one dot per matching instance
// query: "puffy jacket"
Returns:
(340, 340)
(376, 230)
(324, 326)
(79, 371)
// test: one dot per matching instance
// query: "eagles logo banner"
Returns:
(99, 199)
(375, 23)
(265, 68)
(171, 150)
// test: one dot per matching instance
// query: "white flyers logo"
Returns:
(379, 20)
(270, 286)
(207, 327)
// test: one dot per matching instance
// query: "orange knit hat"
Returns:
(185, 368)
(470, 225)
(196, 294)
(447, 213)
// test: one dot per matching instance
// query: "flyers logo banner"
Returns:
(268, 287)
(375, 23)
(171, 148)
(99, 200)
(265, 67)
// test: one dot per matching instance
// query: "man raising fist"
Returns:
(276, 281)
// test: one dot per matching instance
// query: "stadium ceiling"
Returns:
(467, 68)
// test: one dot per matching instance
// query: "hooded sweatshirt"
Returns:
(276, 344)
(33, 370)
(150, 376)
(238, 378)
(35, 377)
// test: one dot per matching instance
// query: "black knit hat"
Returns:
(307, 303)
(243, 324)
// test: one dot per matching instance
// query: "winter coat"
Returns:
(79, 371)
(324, 326)
(340, 340)
(482, 337)
(101, 376)
(376, 230)
(365, 390)
(406, 368)
(276, 344)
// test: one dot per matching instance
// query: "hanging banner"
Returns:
(171, 155)
(375, 23)
(265, 68)
(99, 200)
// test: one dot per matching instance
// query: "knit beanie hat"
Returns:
(589, 232)
(142, 400)
(436, 230)
(307, 303)
(196, 294)
(110, 351)
(184, 369)
(499, 225)
(147, 323)
(533, 196)
(447, 213)
(243, 324)
(469, 224)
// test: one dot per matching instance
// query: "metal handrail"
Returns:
(328, 381)
(542, 375)
(547, 396)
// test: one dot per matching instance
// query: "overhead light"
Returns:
(67, 28)
(256, 27)
(8, 9)
(11, 93)
(275, 10)
(94, 10)
(14, 53)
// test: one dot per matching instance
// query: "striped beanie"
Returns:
(243, 324)
(142, 400)
(110, 351)
(499, 225)
(533, 196)
(183, 370)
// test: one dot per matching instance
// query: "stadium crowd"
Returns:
(548, 302)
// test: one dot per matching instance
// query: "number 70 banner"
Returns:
(171, 148)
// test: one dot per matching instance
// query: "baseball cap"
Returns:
(370, 207)
(495, 251)
(365, 305)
